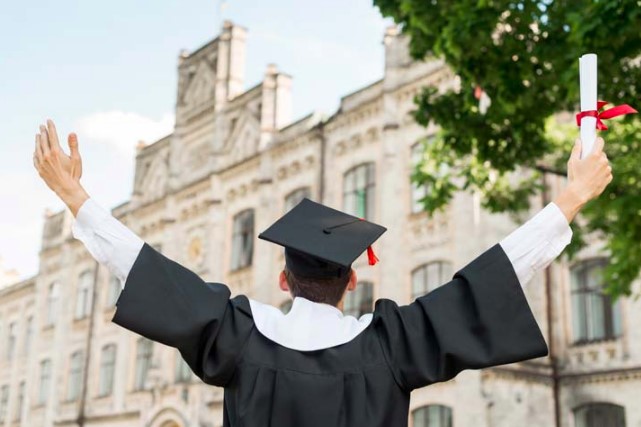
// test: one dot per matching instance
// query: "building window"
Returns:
(599, 415)
(107, 370)
(4, 402)
(83, 295)
(242, 240)
(45, 381)
(286, 306)
(28, 335)
(12, 339)
(183, 371)
(113, 291)
(432, 416)
(430, 276)
(53, 298)
(594, 316)
(143, 362)
(20, 401)
(296, 196)
(418, 192)
(75, 376)
(358, 191)
(360, 300)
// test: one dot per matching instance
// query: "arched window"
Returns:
(28, 336)
(430, 276)
(359, 184)
(53, 298)
(75, 375)
(143, 362)
(417, 191)
(599, 415)
(296, 196)
(432, 416)
(242, 240)
(107, 370)
(12, 339)
(360, 300)
(594, 316)
(45, 381)
(83, 295)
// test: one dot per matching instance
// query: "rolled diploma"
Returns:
(587, 80)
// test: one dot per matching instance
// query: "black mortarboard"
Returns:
(320, 241)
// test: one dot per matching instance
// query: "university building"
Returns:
(235, 162)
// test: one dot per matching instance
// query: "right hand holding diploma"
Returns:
(587, 178)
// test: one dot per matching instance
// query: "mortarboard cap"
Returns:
(322, 242)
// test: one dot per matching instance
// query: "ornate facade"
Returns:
(234, 163)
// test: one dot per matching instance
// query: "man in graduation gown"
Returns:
(315, 366)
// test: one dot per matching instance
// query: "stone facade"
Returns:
(234, 150)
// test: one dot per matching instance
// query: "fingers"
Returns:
(72, 140)
(44, 142)
(53, 135)
(598, 147)
(576, 150)
(37, 153)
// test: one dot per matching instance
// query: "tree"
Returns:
(524, 54)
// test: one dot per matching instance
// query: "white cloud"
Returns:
(123, 130)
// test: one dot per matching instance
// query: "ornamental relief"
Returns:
(356, 141)
(295, 167)
(243, 190)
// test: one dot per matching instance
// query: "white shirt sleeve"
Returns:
(535, 244)
(108, 240)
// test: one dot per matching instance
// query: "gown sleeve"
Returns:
(168, 303)
(479, 319)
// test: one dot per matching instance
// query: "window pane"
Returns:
(143, 362)
(432, 416)
(594, 317)
(295, 197)
(242, 240)
(360, 300)
(75, 376)
(359, 191)
(107, 370)
(599, 415)
(45, 378)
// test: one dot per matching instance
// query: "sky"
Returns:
(107, 71)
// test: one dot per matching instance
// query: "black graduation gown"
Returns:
(479, 319)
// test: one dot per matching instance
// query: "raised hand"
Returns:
(587, 178)
(61, 172)
(591, 175)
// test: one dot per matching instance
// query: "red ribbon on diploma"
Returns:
(619, 110)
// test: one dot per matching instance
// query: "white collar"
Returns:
(308, 326)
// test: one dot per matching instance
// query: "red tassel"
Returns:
(371, 256)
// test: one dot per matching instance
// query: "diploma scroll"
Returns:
(588, 84)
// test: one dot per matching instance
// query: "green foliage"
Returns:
(524, 54)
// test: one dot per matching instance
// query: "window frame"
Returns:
(108, 356)
(144, 354)
(53, 302)
(593, 406)
(84, 295)
(446, 415)
(353, 191)
(242, 256)
(75, 378)
(583, 297)
(446, 269)
(44, 382)
(353, 307)
(296, 196)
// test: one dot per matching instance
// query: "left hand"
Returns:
(58, 170)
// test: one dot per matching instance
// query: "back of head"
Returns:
(326, 290)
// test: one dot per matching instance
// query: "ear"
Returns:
(353, 280)
(282, 282)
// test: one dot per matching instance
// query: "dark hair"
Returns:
(324, 290)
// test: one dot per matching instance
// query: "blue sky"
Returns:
(107, 70)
